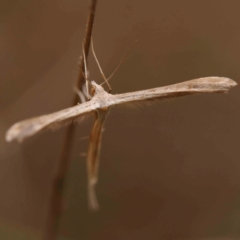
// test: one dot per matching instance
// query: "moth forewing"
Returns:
(195, 86)
(102, 99)
(32, 126)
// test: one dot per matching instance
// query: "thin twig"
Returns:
(87, 42)
(56, 206)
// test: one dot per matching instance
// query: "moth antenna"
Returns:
(99, 67)
(121, 60)
(119, 63)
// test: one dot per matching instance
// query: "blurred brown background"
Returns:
(169, 170)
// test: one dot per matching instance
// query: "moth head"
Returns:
(96, 88)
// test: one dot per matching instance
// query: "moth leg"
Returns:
(93, 156)
(81, 94)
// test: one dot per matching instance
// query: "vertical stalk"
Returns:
(55, 205)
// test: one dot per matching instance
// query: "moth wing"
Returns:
(32, 126)
(195, 86)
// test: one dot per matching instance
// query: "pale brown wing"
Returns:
(29, 127)
(200, 85)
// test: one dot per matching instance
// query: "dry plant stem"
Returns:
(56, 201)
(93, 156)
(55, 207)
(86, 45)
